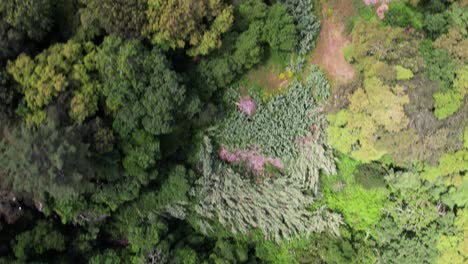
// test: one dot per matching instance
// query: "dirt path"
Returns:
(329, 51)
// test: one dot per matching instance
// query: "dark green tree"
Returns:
(49, 161)
(125, 18)
(41, 239)
(145, 98)
(33, 17)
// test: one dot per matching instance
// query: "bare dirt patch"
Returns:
(333, 39)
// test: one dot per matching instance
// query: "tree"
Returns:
(11, 41)
(279, 30)
(354, 130)
(41, 239)
(455, 43)
(447, 103)
(145, 98)
(33, 17)
(7, 93)
(435, 25)
(196, 24)
(122, 17)
(307, 23)
(46, 162)
(60, 69)
(399, 14)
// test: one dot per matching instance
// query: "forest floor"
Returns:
(333, 39)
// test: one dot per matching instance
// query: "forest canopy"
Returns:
(233, 131)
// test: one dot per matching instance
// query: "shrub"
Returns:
(348, 53)
(41, 239)
(318, 83)
(403, 73)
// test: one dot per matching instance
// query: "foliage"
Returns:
(173, 194)
(319, 83)
(448, 164)
(279, 29)
(108, 156)
(197, 24)
(241, 206)
(454, 42)
(144, 98)
(34, 17)
(275, 127)
(376, 106)
(11, 41)
(435, 25)
(46, 162)
(411, 208)
(361, 208)
(314, 157)
(403, 73)
(390, 45)
(41, 239)
(122, 17)
(63, 68)
(446, 104)
(400, 14)
(439, 65)
(308, 24)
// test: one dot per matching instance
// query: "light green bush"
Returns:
(403, 73)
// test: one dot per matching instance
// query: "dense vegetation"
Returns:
(175, 131)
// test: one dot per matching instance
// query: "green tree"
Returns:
(447, 103)
(41, 239)
(435, 25)
(402, 15)
(145, 98)
(279, 29)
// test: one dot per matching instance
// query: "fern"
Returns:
(275, 126)
(277, 207)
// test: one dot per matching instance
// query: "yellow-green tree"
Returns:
(447, 103)
(197, 24)
(63, 68)
(373, 109)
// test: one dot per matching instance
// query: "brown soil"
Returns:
(333, 39)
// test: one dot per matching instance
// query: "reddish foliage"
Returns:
(247, 106)
(255, 161)
(381, 10)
